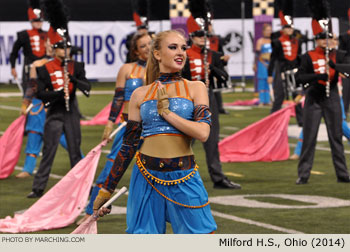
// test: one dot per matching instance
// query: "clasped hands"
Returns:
(163, 100)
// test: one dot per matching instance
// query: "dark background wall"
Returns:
(15, 10)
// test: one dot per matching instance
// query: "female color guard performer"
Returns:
(130, 77)
(165, 185)
(264, 50)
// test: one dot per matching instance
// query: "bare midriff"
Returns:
(265, 56)
(167, 146)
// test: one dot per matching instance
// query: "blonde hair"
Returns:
(152, 67)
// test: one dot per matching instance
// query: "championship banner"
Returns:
(103, 43)
(104, 49)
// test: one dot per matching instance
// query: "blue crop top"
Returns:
(153, 123)
(130, 86)
(135, 80)
(266, 48)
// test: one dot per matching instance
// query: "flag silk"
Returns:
(62, 204)
(251, 102)
(10, 146)
(264, 140)
(89, 226)
(102, 117)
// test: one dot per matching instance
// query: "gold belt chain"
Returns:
(147, 175)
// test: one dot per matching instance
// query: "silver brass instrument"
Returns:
(288, 79)
(327, 59)
(205, 59)
(62, 33)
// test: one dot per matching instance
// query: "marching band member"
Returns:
(314, 76)
(194, 70)
(217, 44)
(284, 60)
(32, 41)
(344, 44)
(55, 85)
(130, 77)
(35, 117)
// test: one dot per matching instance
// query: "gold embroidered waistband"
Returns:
(144, 171)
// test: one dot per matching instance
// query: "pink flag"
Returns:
(62, 204)
(89, 226)
(251, 102)
(102, 117)
(265, 140)
(10, 146)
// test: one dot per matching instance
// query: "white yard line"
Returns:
(10, 107)
(10, 94)
(238, 108)
(55, 176)
(231, 128)
(321, 148)
(99, 92)
(256, 223)
(237, 89)
(223, 135)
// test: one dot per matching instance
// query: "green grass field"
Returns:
(257, 179)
